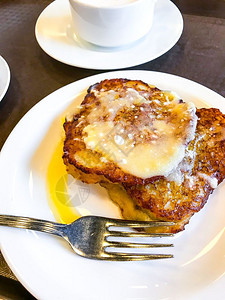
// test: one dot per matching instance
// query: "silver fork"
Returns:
(88, 236)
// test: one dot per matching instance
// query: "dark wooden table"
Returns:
(199, 55)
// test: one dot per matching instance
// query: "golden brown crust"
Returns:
(109, 170)
(167, 200)
(156, 197)
(89, 161)
(131, 211)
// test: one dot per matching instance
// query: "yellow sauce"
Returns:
(56, 177)
(59, 200)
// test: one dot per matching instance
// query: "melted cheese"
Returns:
(144, 160)
(212, 181)
(151, 149)
(112, 102)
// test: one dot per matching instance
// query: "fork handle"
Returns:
(33, 224)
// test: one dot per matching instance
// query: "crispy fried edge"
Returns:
(110, 171)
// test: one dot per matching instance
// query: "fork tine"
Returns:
(137, 224)
(136, 245)
(134, 257)
(137, 234)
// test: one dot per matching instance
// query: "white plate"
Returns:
(55, 36)
(49, 269)
(4, 77)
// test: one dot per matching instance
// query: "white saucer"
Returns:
(55, 36)
(4, 77)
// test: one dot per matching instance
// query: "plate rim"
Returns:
(8, 74)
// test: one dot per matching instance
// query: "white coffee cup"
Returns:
(112, 23)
